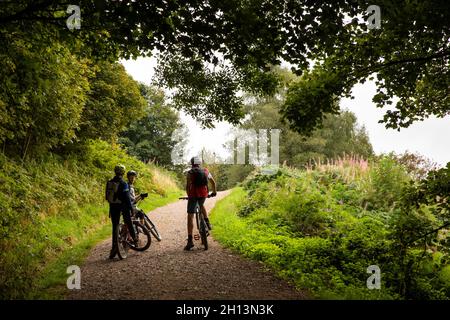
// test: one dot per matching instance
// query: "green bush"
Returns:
(322, 228)
(385, 183)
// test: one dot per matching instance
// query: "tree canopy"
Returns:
(240, 40)
(51, 97)
(42, 93)
(114, 102)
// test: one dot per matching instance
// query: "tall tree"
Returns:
(338, 135)
(52, 97)
(113, 103)
(42, 94)
(151, 137)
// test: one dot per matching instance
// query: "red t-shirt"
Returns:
(195, 191)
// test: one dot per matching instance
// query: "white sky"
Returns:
(430, 138)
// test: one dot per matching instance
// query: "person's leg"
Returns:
(127, 219)
(204, 212)
(115, 218)
(190, 225)
(190, 222)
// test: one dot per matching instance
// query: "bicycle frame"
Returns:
(201, 223)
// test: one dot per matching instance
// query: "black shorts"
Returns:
(192, 203)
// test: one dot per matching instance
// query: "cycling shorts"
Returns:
(193, 202)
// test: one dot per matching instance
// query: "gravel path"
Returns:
(165, 271)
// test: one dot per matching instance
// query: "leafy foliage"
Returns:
(435, 189)
(43, 93)
(151, 137)
(417, 165)
(408, 55)
(211, 94)
(316, 229)
(240, 41)
(338, 135)
(113, 103)
(54, 100)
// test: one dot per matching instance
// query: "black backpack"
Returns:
(199, 178)
(112, 187)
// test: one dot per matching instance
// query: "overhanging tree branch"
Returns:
(431, 232)
(35, 6)
(374, 68)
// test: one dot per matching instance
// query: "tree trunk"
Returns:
(27, 143)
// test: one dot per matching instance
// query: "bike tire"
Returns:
(121, 243)
(204, 233)
(145, 238)
(152, 228)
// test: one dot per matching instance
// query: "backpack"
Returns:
(112, 187)
(199, 177)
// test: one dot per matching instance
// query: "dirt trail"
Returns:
(165, 271)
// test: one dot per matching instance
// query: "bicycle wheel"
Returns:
(204, 233)
(151, 227)
(144, 237)
(121, 242)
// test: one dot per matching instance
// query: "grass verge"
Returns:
(324, 229)
(294, 259)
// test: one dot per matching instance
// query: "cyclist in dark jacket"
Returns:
(125, 207)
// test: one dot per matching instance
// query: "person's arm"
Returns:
(213, 184)
(188, 182)
(126, 196)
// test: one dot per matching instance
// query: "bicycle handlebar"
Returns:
(142, 197)
(187, 198)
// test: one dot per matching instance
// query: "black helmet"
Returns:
(131, 173)
(119, 169)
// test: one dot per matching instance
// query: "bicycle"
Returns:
(145, 220)
(125, 241)
(201, 224)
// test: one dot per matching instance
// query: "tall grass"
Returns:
(349, 167)
(164, 179)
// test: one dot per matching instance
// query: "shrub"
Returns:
(322, 228)
(384, 184)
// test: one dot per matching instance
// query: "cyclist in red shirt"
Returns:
(197, 190)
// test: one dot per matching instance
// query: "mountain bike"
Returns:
(145, 220)
(201, 224)
(125, 241)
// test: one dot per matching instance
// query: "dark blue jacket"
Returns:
(123, 193)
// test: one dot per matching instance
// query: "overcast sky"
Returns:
(430, 138)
